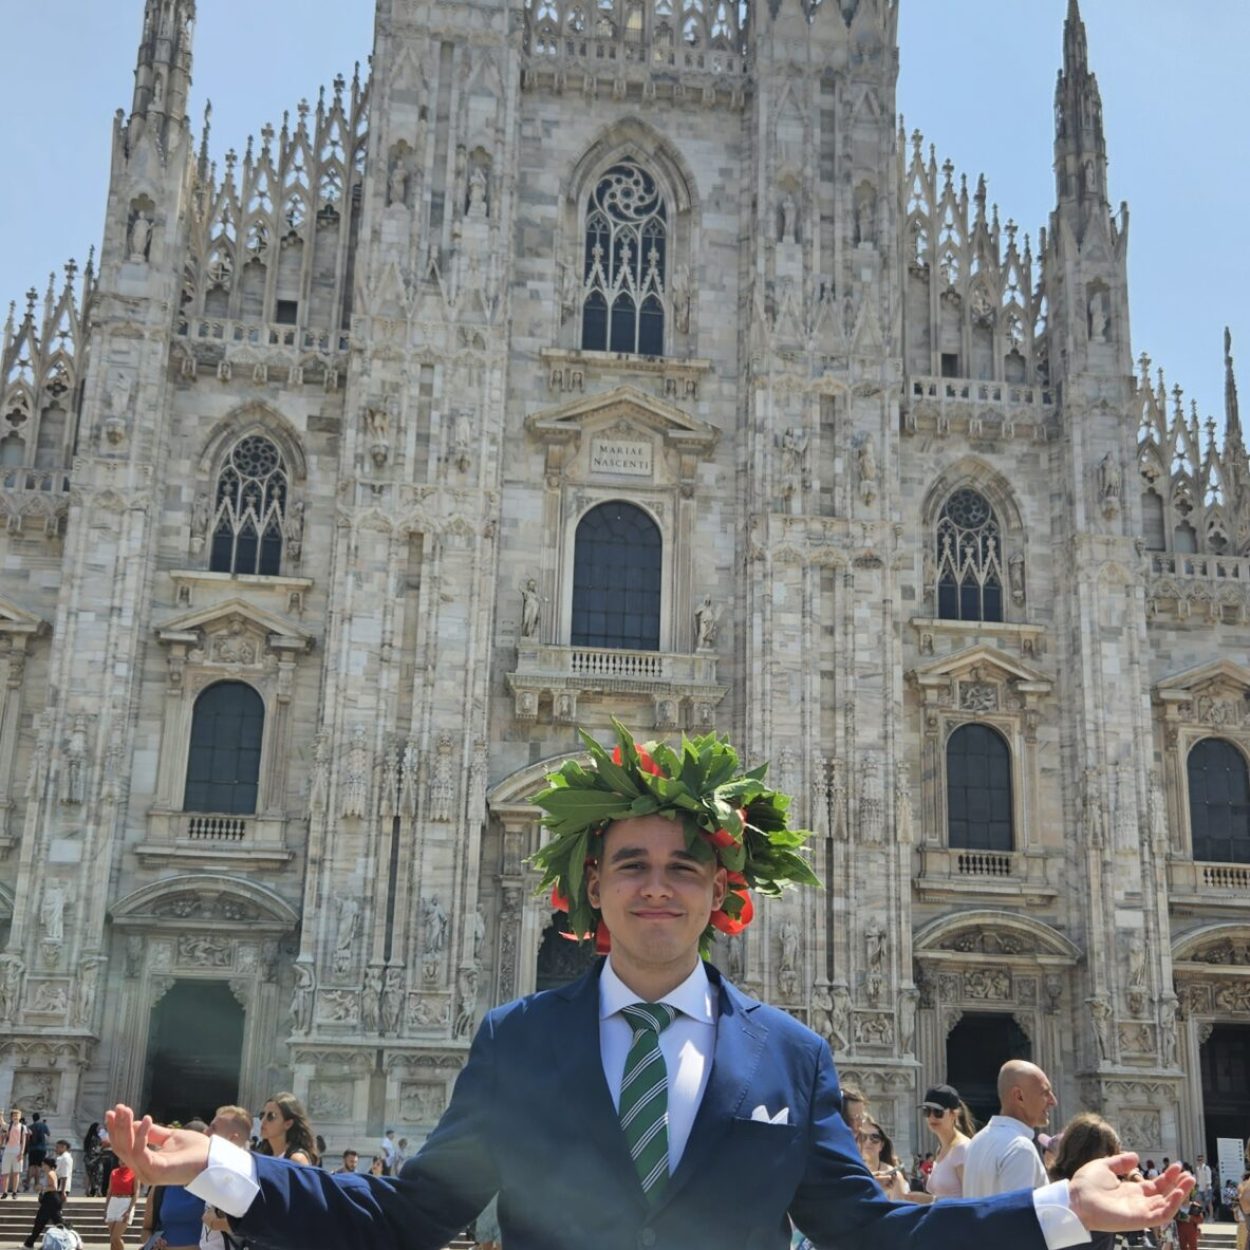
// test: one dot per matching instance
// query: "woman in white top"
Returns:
(950, 1121)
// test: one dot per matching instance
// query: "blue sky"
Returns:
(977, 78)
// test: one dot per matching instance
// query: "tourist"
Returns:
(1086, 1137)
(13, 1155)
(285, 1132)
(881, 1160)
(718, 1152)
(64, 1167)
(36, 1151)
(1189, 1219)
(377, 1166)
(1002, 1156)
(854, 1107)
(91, 1159)
(122, 1191)
(1205, 1185)
(51, 1202)
(350, 1159)
(235, 1125)
(174, 1211)
(389, 1151)
(950, 1121)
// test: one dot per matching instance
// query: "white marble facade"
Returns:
(389, 294)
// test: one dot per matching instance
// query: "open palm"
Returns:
(1105, 1204)
(158, 1156)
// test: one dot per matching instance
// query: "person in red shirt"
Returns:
(121, 1204)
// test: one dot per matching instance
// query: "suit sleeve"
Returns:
(439, 1191)
(839, 1204)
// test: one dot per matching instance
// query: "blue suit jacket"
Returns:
(532, 1118)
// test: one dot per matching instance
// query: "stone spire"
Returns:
(1232, 415)
(163, 69)
(1080, 144)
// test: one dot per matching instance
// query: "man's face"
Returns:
(349, 1161)
(1036, 1099)
(655, 896)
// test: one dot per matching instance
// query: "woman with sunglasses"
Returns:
(951, 1122)
(285, 1131)
(878, 1151)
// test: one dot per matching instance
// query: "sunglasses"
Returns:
(271, 1115)
(874, 1137)
(934, 1113)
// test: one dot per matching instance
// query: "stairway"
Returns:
(1218, 1237)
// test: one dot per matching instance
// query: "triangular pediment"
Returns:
(991, 663)
(1224, 675)
(16, 620)
(628, 405)
(223, 616)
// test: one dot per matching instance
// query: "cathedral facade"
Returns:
(590, 359)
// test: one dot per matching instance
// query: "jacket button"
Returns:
(647, 1237)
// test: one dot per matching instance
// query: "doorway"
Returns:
(560, 959)
(1225, 1062)
(195, 1050)
(977, 1047)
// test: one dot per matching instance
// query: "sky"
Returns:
(977, 78)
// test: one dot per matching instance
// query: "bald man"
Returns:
(1002, 1157)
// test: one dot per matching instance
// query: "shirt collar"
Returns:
(693, 997)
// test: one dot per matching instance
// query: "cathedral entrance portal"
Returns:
(977, 1047)
(195, 1050)
(560, 959)
(1226, 1084)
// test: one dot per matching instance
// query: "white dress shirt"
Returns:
(687, 1046)
(1000, 1158)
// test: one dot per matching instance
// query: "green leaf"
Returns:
(577, 864)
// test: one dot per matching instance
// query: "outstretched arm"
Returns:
(1106, 1205)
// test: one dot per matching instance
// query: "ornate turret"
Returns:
(163, 70)
(1080, 145)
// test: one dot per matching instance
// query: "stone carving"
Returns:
(330, 1100)
(1100, 1014)
(388, 790)
(466, 1014)
(903, 815)
(788, 940)
(866, 460)
(302, 998)
(355, 781)
(1099, 316)
(11, 972)
(840, 1020)
(442, 788)
(234, 645)
(788, 213)
(140, 237)
(1125, 808)
(1158, 812)
(978, 696)
(1053, 987)
(434, 920)
(866, 213)
(421, 1104)
(1226, 952)
(293, 531)
(735, 951)
(876, 947)
(478, 208)
(682, 296)
(200, 950)
(428, 1013)
(531, 609)
(339, 1006)
(1015, 576)
(49, 997)
(392, 1000)
(793, 444)
(371, 1001)
(1093, 808)
(706, 624)
(986, 984)
(479, 935)
(134, 955)
(871, 804)
(460, 451)
(397, 177)
(52, 913)
(1137, 1039)
(85, 995)
(345, 934)
(873, 1028)
(36, 1091)
(1140, 1130)
(74, 773)
(1233, 997)
(1136, 984)
(1168, 1036)
(319, 785)
(907, 1003)
(378, 431)
(1110, 485)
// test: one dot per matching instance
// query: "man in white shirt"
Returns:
(1206, 1192)
(389, 1151)
(232, 1124)
(64, 1167)
(1002, 1156)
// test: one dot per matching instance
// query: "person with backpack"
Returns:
(51, 1202)
(12, 1155)
(36, 1151)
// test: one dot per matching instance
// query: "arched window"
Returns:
(1219, 802)
(224, 761)
(969, 560)
(978, 790)
(249, 509)
(616, 579)
(624, 265)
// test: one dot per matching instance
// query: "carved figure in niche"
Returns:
(302, 999)
(1100, 1012)
(706, 623)
(822, 1011)
(1158, 810)
(462, 441)
(876, 943)
(442, 789)
(840, 1020)
(1100, 317)
(392, 1000)
(789, 213)
(479, 935)
(907, 1020)
(201, 513)
(435, 919)
(378, 428)
(356, 775)
(74, 777)
(140, 236)
(294, 530)
(1015, 576)
(52, 913)
(1090, 177)
(345, 937)
(408, 780)
(867, 463)
(1168, 1033)
(467, 1013)
(866, 214)
(734, 958)
(789, 941)
(793, 443)
(1136, 963)
(371, 1001)
(50, 997)
(681, 298)
(10, 987)
(397, 179)
(1093, 808)
(531, 609)
(1110, 485)
(478, 208)
(84, 1002)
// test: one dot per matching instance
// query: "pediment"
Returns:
(982, 663)
(1217, 677)
(235, 616)
(205, 900)
(625, 407)
(16, 620)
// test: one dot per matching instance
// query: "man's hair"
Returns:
(351, 1152)
(237, 1116)
(60, 1141)
(34, 1117)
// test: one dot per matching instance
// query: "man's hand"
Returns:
(1106, 1205)
(159, 1156)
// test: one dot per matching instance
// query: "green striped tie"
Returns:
(644, 1095)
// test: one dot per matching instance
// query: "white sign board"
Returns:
(1230, 1155)
(615, 455)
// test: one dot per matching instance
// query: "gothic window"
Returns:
(1219, 802)
(969, 560)
(978, 790)
(224, 760)
(616, 579)
(624, 265)
(1154, 525)
(249, 509)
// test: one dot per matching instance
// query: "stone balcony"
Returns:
(983, 410)
(682, 690)
(1206, 588)
(948, 874)
(215, 839)
(1194, 886)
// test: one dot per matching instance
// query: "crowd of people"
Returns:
(1013, 1151)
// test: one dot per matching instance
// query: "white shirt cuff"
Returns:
(228, 1182)
(1059, 1224)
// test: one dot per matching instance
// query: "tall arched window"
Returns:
(224, 761)
(624, 264)
(616, 579)
(249, 508)
(1219, 802)
(969, 560)
(978, 790)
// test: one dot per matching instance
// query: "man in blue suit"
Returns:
(650, 1104)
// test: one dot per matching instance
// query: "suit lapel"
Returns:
(739, 1045)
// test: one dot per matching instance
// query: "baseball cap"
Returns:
(941, 1098)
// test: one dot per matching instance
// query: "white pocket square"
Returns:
(761, 1113)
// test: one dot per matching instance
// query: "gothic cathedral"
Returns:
(591, 358)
